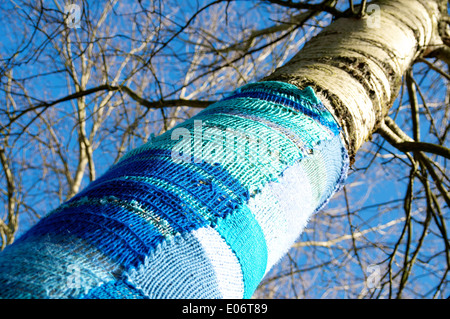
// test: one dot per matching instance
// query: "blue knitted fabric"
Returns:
(202, 211)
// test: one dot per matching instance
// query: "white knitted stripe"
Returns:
(178, 268)
(224, 261)
(282, 209)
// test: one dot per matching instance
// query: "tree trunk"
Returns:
(208, 215)
(356, 65)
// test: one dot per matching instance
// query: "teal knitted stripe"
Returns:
(244, 235)
(246, 164)
(285, 117)
(306, 97)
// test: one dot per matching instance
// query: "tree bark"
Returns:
(356, 65)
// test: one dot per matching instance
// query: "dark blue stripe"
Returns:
(158, 164)
(180, 215)
(206, 191)
(120, 234)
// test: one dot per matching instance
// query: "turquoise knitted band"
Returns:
(202, 211)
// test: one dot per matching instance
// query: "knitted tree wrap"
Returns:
(202, 211)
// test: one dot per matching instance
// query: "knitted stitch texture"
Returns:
(202, 211)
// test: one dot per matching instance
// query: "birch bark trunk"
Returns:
(356, 65)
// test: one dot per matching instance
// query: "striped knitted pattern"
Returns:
(202, 211)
